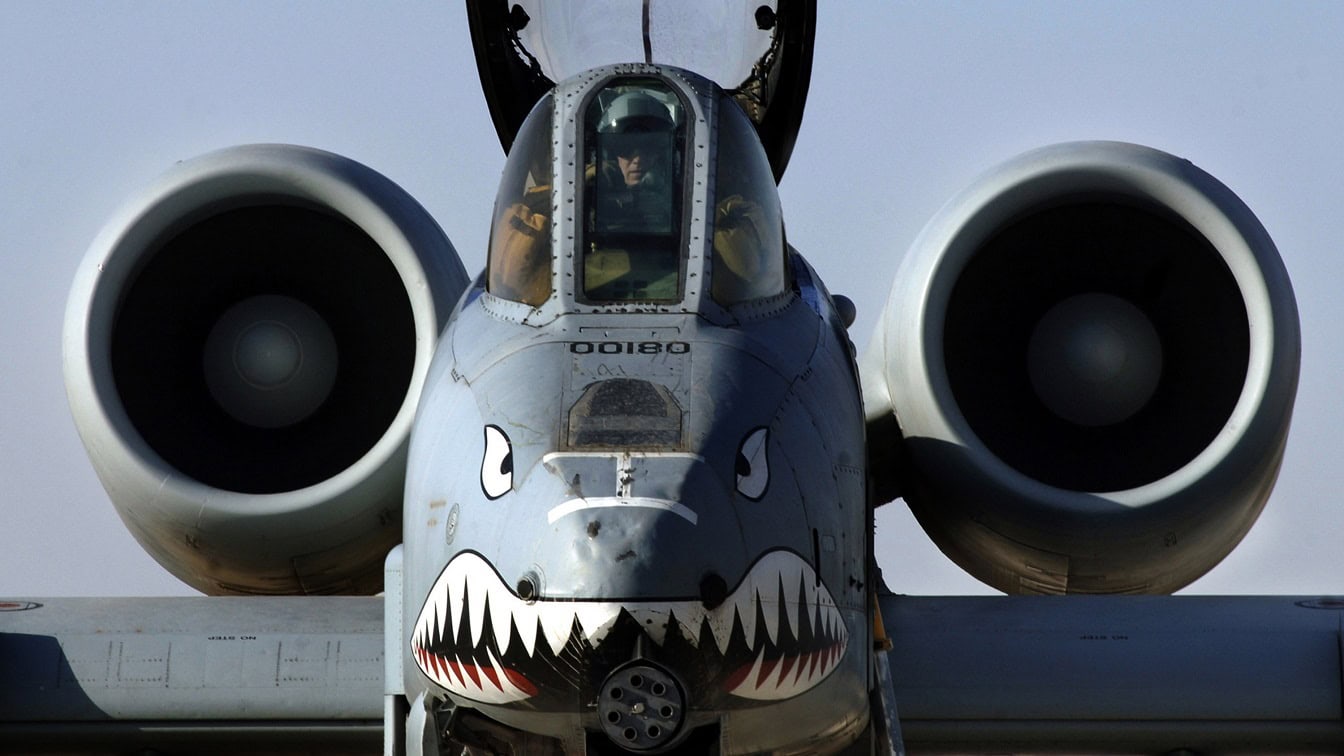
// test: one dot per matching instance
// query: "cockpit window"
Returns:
(520, 239)
(634, 149)
(749, 256)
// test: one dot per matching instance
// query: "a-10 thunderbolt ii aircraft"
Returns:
(619, 488)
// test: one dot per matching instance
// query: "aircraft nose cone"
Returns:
(655, 526)
(619, 547)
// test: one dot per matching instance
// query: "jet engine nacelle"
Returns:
(244, 348)
(1091, 355)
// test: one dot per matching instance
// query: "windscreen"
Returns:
(634, 145)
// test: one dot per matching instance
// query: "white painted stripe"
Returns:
(600, 502)
(614, 456)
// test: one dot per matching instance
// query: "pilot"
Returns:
(634, 220)
(633, 224)
(635, 141)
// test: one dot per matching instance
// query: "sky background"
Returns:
(909, 102)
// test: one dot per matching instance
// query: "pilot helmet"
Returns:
(635, 112)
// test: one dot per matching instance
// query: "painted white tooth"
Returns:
(480, 589)
(811, 588)
(769, 599)
(832, 660)
(440, 599)
(747, 687)
(596, 618)
(525, 619)
(653, 618)
(457, 584)
(815, 617)
(433, 625)
(422, 661)
(432, 667)
(493, 683)
(449, 678)
(744, 603)
(510, 691)
(691, 615)
(805, 674)
(441, 673)
(472, 685)
(556, 622)
(840, 650)
(502, 602)
(790, 578)
(786, 681)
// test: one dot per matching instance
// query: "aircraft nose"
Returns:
(631, 526)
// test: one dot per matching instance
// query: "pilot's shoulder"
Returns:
(537, 198)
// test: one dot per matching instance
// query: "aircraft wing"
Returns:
(1148, 674)
(1117, 674)
(235, 674)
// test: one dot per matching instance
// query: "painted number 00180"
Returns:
(629, 347)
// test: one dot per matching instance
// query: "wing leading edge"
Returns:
(236, 674)
(1112, 674)
(1149, 674)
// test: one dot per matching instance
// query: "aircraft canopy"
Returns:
(629, 238)
(760, 52)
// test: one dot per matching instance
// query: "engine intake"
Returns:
(1084, 295)
(244, 349)
(1092, 356)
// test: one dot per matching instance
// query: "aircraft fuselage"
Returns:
(643, 517)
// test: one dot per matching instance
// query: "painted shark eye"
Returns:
(753, 469)
(497, 466)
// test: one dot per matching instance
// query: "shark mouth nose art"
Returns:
(778, 634)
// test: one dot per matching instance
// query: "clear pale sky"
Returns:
(909, 102)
